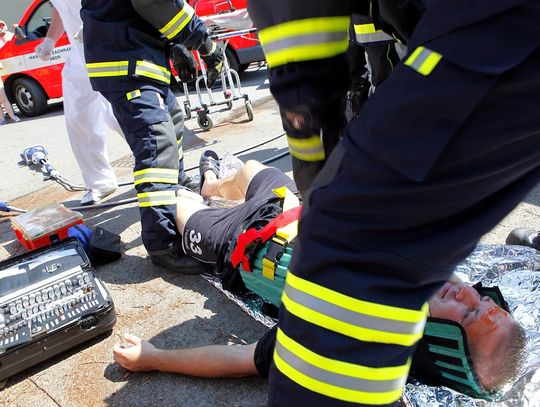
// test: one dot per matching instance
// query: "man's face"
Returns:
(486, 324)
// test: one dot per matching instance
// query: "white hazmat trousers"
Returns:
(89, 117)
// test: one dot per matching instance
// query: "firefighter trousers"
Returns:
(152, 122)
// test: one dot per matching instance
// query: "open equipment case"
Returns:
(51, 300)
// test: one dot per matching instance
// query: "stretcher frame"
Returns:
(231, 86)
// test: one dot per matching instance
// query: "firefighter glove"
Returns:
(44, 49)
(214, 62)
(184, 63)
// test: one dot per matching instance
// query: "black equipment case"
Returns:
(50, 300)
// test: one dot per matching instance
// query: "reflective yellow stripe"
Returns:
(158, 198)
(351, 317)
(366, 33)
(133, 94)
(305, 40)
(338, 379)
(159, 175)
(307, 149)
(151, 70)
(104, 69)
(178, 22)
(423, 60)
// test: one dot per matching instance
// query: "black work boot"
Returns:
(179, 262)
(189, 183)
(524, 237)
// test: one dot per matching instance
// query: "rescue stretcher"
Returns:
(222, 28)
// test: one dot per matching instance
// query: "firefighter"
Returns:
(372, 57)
(313, 128)
(126, 49)
(441, 153)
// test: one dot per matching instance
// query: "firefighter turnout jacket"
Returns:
(126, 50)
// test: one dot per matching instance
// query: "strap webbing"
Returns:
(252, 235)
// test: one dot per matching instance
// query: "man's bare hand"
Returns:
(138, 355)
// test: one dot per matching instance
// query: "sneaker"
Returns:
(179, 262)
(93, 196)
(16, 119)
(524, 237)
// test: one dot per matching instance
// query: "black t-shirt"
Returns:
(264, 352)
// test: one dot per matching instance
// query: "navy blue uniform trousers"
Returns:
(153, 125)
(432, 164)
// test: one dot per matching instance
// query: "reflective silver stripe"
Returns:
(423, 60)
(351, 317)
(307, 149)
(95, 70)
(420, 59)
(336, 379)
(150, 70)
(378, 36)
(158, 198)
(305, 154)
(133, 94)
(157, 175)
(178, 22)
(307, 39)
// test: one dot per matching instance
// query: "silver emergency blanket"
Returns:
(515, 270)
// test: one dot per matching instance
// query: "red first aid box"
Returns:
(44, 226)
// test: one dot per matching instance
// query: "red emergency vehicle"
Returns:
(30, 82)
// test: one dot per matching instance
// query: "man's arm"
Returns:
(175, 20)
(208, 361)
(56, 29)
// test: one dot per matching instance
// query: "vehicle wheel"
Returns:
(205, 122)
(29, 97)
(231, 59)
(187, 110)
(249, 110)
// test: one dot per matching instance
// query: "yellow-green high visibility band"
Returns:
(305, 40)
(178, 22)
(105, 69)
(133, 94)
(158, 198)
(363, 320)
(338, 379)
(423, 60)
(153, 71)
(307, 149)
(367, 33)
(156, 175)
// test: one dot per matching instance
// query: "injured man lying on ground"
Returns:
(471, 343)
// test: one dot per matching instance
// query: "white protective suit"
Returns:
(89, 117)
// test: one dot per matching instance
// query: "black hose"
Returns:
(104, 204)
(123, 184)
(131, 200)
